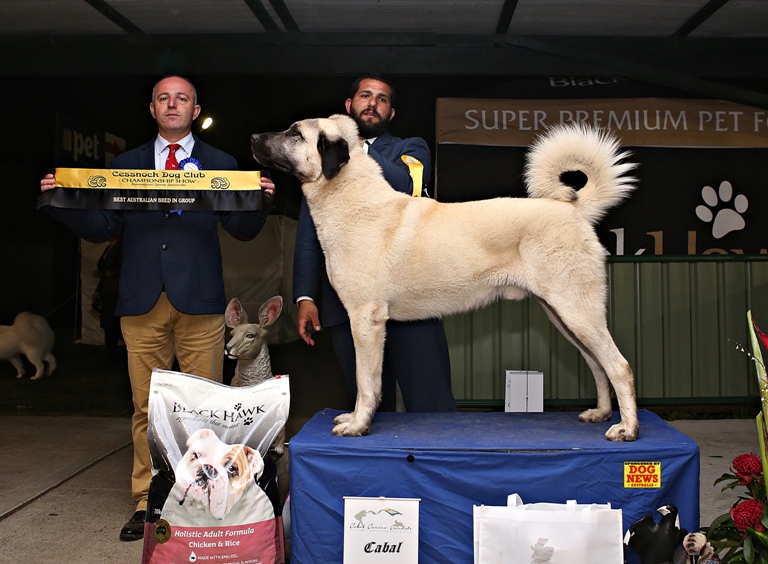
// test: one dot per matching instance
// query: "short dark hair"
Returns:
(373, 76)
(154, 88)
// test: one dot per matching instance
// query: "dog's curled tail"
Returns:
(573, 147)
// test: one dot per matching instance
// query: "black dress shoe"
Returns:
(134, 528)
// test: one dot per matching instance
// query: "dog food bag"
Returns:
(213, 496)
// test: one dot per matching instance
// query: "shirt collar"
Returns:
(369, 143)
(187, 143)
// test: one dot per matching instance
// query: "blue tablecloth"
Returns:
(453, 461)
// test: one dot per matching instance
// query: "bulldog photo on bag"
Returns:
(391, 256)
(216, 485)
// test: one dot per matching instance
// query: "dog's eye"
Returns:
(232, 471)
(195, 456)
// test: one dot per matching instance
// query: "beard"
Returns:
(369, 129)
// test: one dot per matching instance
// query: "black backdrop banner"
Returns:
(688, 201)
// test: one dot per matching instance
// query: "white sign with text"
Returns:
(381, 529)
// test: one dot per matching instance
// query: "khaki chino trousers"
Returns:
(153, 340)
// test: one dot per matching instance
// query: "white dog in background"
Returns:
(391, 256)
(31, 336)
(216, 485)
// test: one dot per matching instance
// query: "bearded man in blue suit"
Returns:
(171, 298)
(415, 352)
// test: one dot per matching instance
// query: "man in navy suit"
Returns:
(416, 352)
(171, 296)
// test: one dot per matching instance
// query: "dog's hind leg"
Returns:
(588, 331)
(39, 366)
(18, 364)
(603, 410)
(50, 360)
(368, 325)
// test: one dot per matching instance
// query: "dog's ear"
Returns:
(254, 461)
(334, 155)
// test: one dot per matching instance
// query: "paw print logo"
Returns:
(238, 406)
(248, 421)
(726, 219)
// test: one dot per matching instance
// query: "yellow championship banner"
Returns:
(132, 189)
(157, 179)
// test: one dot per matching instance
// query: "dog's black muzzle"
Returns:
(265, 156)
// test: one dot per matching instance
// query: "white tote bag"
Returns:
(542, 533)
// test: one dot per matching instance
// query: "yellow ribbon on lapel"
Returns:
(417, 173)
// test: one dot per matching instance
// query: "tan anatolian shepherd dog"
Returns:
(391, 256)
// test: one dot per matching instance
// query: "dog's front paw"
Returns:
(595, 416)
(623, 432)
(350, 429)
(343, 418)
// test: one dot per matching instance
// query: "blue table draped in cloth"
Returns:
(453, 461)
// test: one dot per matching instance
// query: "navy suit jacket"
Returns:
(309, 275)
(178, 254)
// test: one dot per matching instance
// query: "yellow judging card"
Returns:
(129, 179)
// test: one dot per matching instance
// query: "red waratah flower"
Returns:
(747, 514)
(747, 467)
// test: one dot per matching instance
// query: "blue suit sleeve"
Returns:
(308, 257)
(395, 170)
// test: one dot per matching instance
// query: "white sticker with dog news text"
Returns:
(381, 529)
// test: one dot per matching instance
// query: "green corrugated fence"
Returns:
(676, 319)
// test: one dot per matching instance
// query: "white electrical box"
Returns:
(524, 391)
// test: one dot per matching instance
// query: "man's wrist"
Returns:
(302, 298)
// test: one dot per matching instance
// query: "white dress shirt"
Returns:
(161, 150)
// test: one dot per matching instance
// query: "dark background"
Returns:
(40, 257)
(670, 181)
